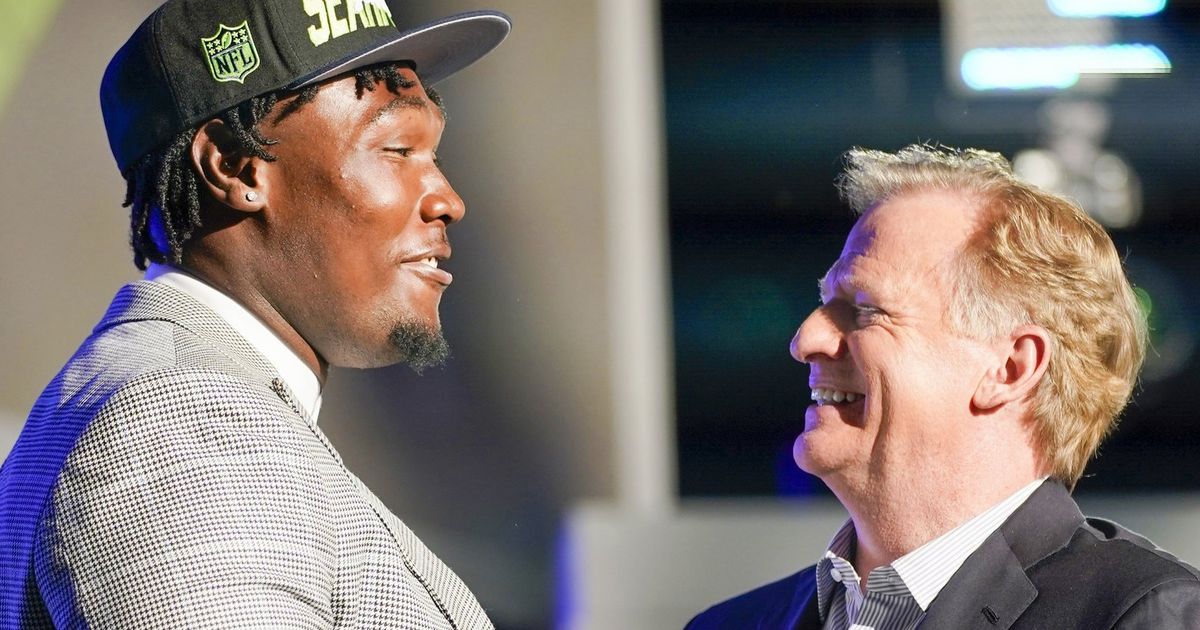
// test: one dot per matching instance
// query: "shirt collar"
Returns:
(927, 569)
(299, 378)
(840, 548)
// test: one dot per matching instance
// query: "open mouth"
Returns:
(428, 268)
(828, 396)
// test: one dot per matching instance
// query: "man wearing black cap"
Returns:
(284, 189)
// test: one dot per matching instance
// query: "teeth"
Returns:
(432, 262)
(825, 396)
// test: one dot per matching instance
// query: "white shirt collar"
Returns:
(927, 569)
(299, 378)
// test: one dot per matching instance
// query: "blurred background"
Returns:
(650, 202)
(763, 97)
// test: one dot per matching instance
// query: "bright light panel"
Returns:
(1106, 8)
(1060, 67)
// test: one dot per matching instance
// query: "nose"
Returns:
(817, 337)
(441, 202)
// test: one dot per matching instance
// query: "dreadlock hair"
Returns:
(163, 188)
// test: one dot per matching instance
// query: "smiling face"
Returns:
(355, 217)
(881, 336)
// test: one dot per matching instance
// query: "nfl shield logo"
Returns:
(231, 53)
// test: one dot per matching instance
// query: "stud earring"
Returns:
(252, 196)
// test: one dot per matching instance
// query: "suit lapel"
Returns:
(446, 589)
(991, 590)
(449, 593)
(285, 394)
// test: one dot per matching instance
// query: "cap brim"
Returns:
(439, 48)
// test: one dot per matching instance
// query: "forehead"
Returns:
(905, 241)
(338, 107)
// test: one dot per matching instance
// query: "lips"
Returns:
(426, 266)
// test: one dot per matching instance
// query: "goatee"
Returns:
(419, 345)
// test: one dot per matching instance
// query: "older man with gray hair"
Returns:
(976, 340)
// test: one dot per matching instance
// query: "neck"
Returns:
(242, 288)
(894, 516)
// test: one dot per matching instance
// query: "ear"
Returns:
(1021, 361)
(232, 178)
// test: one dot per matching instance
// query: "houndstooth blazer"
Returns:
(166, 478)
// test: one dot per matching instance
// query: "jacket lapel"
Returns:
(988, 592)
(447, 590)
(285, 394)
(991, 590)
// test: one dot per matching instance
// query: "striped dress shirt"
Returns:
(897, 595)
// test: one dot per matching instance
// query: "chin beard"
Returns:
(419, 345)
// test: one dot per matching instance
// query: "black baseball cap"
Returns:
(192, 59)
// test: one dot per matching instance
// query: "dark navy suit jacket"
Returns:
(1046, 568)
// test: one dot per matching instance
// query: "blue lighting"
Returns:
(565, 606)
(1058, 68)
(1105, 8)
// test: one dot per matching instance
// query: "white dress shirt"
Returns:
(299, 378)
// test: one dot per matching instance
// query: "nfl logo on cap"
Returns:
(230, 53)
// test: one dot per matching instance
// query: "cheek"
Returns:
(881, 357)
(902, 380)
(361, 226)
(377, 184)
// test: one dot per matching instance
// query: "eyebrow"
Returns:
(839, 268)
(405, 101)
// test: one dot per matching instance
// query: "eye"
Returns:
(401, 151)
(865, 314)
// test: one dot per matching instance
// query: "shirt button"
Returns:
(835, 574)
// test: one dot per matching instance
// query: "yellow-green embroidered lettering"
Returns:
(336, 18)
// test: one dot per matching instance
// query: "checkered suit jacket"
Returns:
(167, 479)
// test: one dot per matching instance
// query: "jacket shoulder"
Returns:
(195, 474)
(189, 411)
(1105, 571)
(1119, 540)
(1174, 605)
(779, 604)
(116, 357)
